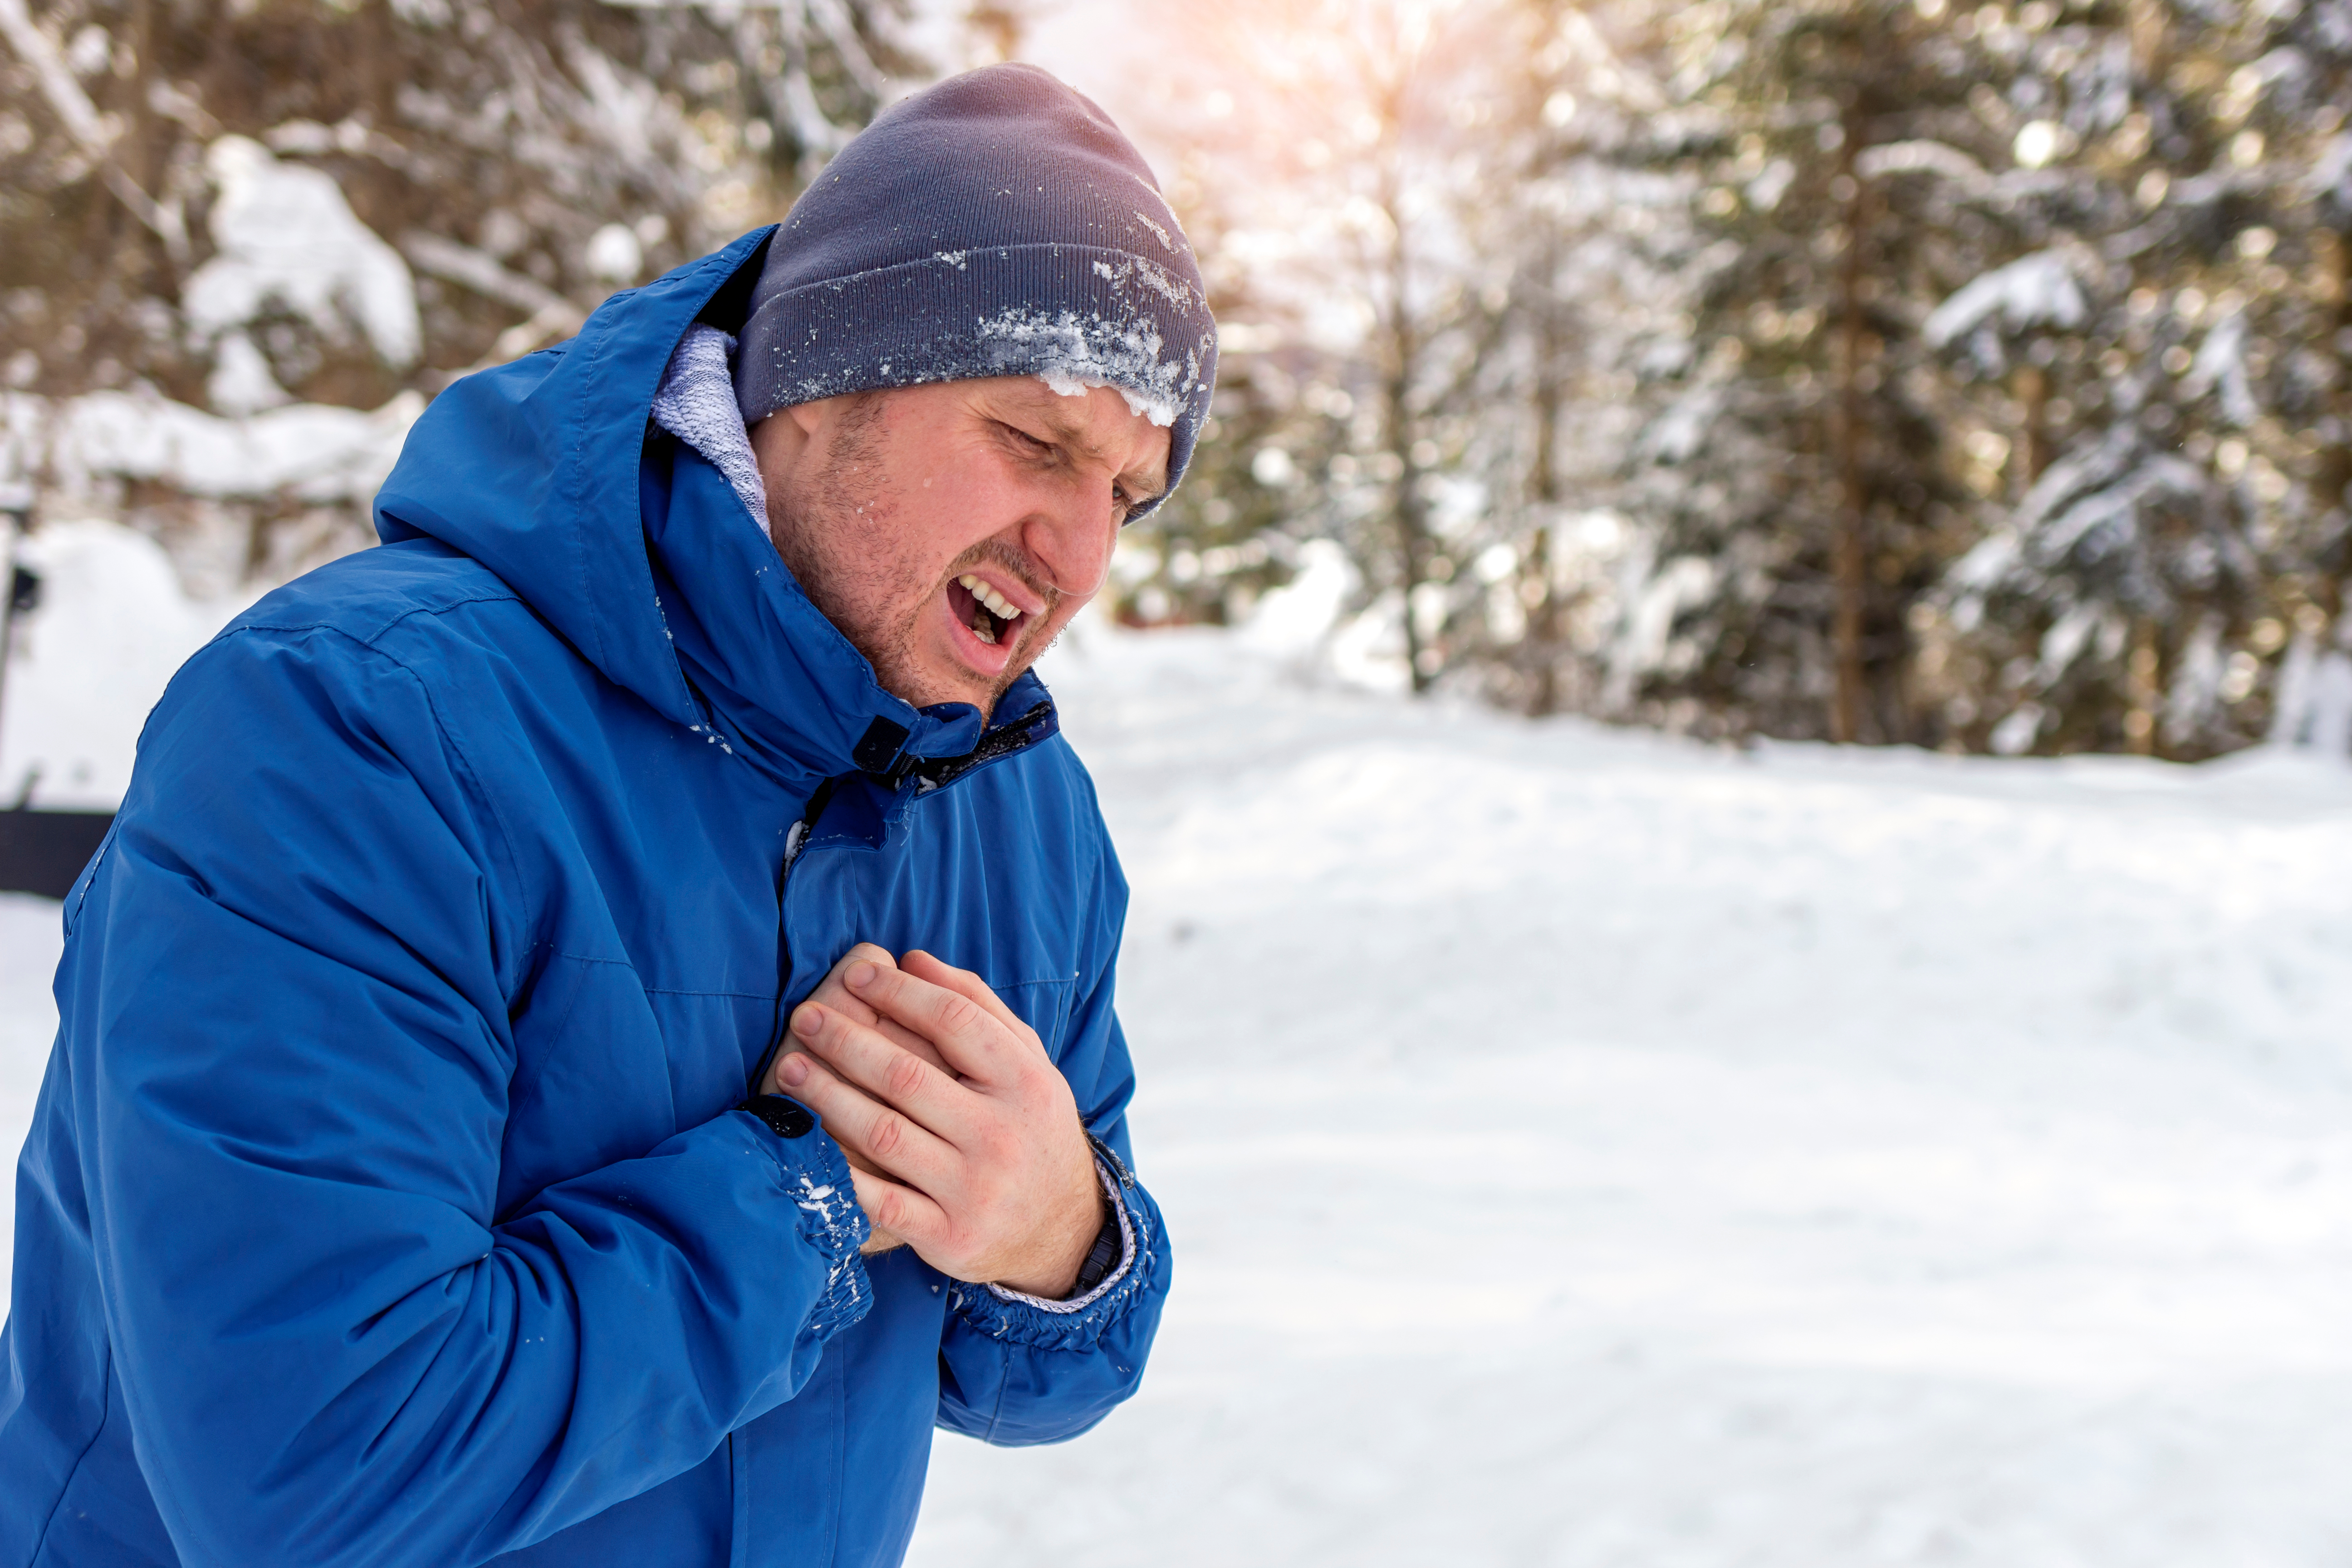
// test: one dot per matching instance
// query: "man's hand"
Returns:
(962, 1136)
(833, 992)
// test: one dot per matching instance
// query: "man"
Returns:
(393, 1195)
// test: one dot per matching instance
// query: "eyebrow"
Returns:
(1140, 483)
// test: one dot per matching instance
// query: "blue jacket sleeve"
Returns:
(286, 991)
(1012, 1373)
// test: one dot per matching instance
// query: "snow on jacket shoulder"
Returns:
(383, 1204)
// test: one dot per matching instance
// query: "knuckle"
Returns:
(903, 1075)
(887, 1135)
(960, 1014)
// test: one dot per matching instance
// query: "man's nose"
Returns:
(1072, 537)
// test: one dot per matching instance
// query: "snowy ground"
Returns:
(1587, 1148)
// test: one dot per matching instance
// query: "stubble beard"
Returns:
(842, 547)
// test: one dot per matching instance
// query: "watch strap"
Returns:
(784, 1118)
(1104, 1255)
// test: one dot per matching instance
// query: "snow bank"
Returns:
(1587, 1149)
(1294, 621)
(30, 945)
(88, 664)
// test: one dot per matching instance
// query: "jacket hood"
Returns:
(638, 554)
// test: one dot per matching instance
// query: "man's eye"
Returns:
(1027, 441)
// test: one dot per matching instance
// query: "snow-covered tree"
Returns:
(240, 246)
(2148, 338)
(1798, 479)
(1345, 152)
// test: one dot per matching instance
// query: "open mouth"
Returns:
(980, 608)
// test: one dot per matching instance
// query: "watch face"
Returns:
(785, 1118)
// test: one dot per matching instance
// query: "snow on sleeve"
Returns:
(287, 234)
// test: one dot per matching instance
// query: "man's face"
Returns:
(950, 531)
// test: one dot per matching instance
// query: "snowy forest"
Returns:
(1707, 1128)
(1875, 372)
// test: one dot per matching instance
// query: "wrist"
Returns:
(1082, 1224)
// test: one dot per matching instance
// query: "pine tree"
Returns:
(1799, 480)
(2129, 602)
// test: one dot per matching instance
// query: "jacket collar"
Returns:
(773, 677)
(533, 467)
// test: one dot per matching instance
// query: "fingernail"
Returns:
(860, 976)
(795, 1070)
(808, 1020)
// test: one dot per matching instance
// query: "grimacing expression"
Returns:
(952, 530)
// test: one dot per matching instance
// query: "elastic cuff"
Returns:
(1025, 1320)
(815, 1176)
(1110, 1282)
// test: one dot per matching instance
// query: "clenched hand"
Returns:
(962, 1136)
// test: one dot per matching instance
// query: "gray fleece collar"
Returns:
(696, 405)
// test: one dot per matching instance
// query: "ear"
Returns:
(779, 440)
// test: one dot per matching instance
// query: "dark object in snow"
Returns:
(998, 223)
(44, 851)
(23, 585)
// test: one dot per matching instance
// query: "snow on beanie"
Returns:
(997, 224)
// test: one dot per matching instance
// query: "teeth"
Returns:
(998, 605)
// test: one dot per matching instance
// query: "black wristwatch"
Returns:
(785, 1118)
(1102, 1256)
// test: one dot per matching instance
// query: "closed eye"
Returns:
(1133, 499)
(1035, 448)
(1030, 445)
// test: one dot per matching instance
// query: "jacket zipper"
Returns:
(796, 839)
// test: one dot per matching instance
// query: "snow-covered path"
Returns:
(1584, 1148)
(1587, 1148)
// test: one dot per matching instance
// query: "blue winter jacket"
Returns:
(384, 1202)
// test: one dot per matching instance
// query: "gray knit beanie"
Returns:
(997, 224)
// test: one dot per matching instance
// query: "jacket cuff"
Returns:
(1075, 1323)
(814, 1175)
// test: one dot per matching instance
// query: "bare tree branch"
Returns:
(93, 130)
